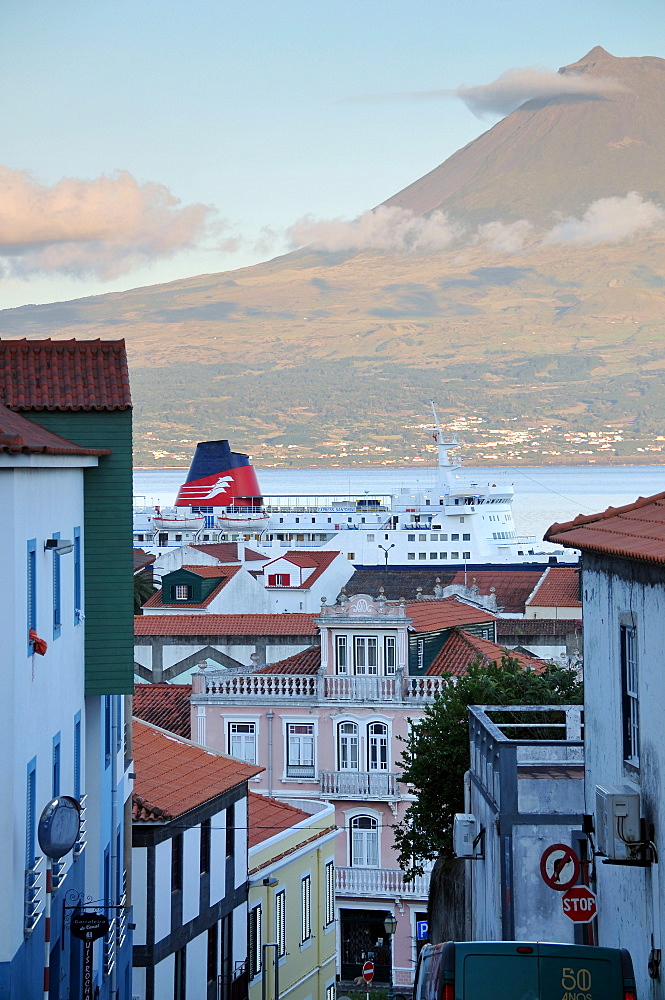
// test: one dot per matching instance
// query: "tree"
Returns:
(143, 589)
(437, 749)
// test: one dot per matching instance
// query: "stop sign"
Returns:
(368, 972)
(579, 904)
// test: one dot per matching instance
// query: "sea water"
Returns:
(543, 495)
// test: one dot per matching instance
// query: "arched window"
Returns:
(377, 747)
(347, 735)
(364, 842)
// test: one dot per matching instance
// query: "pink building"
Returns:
(325, 724)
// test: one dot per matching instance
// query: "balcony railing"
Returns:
(350, 784)
(241, 686)
(387, 882)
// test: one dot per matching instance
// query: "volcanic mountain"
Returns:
(552, 352)
(558, 155)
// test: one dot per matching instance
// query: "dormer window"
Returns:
(279, 579)
(181, 592)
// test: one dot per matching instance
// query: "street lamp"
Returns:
(390, 924)
(386, 549)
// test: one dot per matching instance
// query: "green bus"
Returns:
(523, 970)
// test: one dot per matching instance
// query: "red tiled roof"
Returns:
(142, 559)
(226, 552)
(64, 375)
(282, 624)
(462, 648)
(165, 705)
(19, 436)
(428, 616)
(225, 572)
(319, 560)
(209, 571)
(559, 587)
(635, 531)
(538, 626)
(511, 587)
(174, 775)
(306, 662)
(268, 817)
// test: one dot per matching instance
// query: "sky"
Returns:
(145, 142)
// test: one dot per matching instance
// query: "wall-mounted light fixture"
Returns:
(61, 546)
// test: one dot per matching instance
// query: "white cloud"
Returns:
(103, 227)
(609, 220)
(384, 228)
(505, 237)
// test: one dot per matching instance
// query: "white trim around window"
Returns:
(309, 772)
(364, 850)
(241, 720)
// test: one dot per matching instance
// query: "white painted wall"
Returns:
(191, 873)
(162, 889)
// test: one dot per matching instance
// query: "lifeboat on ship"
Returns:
(222, 484)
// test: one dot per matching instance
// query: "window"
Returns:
(280, 922)
(176, 863)
(410, 538)
(377, 747)
(181, 592)
(443, 555)
(179, 974)
(433, 555)
(341, 661)
(78, 590)
(178, 538)
(242, 741)
(205, 847)
(631, 712)
(433, 538)
(330, 893)
(422, 555)
(364, 842)
(306, 908)
(300, 750)
(422, 538)
(421, 653)
(466, 537)
(350, 556)
(107, 729)
(31, 602)
(411, 555)
(366, 654)
(254, 941)
(55, 767)
(30, 805)
(279, 579)
(348, 746)
(390, 654)
(77, 756)
(213, 947)
(231, 831)
(454, 555)
(443, 538)
(466, 555)
(56, 574)
(454, 537)
(370, 538)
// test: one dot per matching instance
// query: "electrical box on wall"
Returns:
(465, 831)
(617, 821)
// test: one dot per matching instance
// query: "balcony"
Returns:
(380, 785)
(234, 686)
(379, 882)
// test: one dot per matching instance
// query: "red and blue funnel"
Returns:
(219, 477)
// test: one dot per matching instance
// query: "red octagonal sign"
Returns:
(579, 904)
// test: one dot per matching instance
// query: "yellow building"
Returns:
(292, 931)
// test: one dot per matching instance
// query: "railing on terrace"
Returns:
(542, 735)
(351, 784)
(240, 685)
(379, 882)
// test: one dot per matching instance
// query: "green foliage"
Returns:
(437, 749)
(143, 589)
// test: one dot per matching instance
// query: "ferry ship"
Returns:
(459, 521)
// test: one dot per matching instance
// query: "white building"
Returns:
(189, 857)
(623, 588)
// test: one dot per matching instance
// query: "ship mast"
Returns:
(444, 444)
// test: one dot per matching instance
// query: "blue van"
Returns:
(517, 970)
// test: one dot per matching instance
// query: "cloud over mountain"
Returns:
(105, 226)
(609, 220)
(516, 86)
(381, 229)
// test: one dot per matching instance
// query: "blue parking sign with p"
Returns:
(422, 930)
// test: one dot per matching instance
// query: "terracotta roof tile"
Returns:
(428, 616)
(635, 531)
(306, 662)
(268, 817)
(318, 560)
(226, 573)
(538, 626)
(142, 559)
(227, 552)
(166, 706)
(174, 775)
(559, 587)
(511, 587)
(462, 648)
(64, 375)
(19, 436)
(249, 625)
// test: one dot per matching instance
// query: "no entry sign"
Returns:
(579, 904)
(368, 972)
(559, 867)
